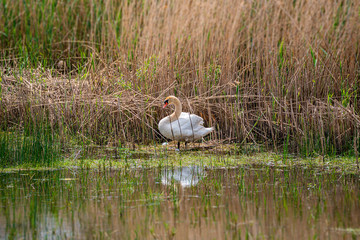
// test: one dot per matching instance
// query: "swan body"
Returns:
(188, 127)
(182, 126)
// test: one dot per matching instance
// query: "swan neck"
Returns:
(178, 109)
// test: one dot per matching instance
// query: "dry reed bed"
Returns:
(108, 116)
(284, 73)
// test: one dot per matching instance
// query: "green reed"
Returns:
(226, 201)
(119, 59)
(35, 144)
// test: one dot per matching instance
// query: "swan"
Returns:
(182, 126)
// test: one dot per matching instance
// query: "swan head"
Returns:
(170, 100)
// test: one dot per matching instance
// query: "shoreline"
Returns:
(228, 157)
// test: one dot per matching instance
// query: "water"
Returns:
(247, 202)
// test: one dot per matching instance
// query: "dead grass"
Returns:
(281, 73)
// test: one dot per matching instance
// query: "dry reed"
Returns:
(282, 73)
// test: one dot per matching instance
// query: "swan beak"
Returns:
(165, 105)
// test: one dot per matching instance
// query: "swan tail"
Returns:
(209, 130)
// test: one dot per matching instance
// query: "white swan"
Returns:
(182, 126)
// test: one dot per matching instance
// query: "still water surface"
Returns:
(247, 202)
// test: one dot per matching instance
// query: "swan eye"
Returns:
(166, 102)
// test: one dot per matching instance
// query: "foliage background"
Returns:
(280, 73)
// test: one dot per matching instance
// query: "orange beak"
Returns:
(165, 105)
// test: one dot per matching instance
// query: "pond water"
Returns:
(246, 202)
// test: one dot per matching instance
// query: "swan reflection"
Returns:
(185, 176)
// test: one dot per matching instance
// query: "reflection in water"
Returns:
(185, 176)
(248, 203)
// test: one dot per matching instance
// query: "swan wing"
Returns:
(188, 127)
(192, 118)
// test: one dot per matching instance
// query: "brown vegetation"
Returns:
(283, 73)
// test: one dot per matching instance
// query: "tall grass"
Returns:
(282, 73)
(35, 144)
